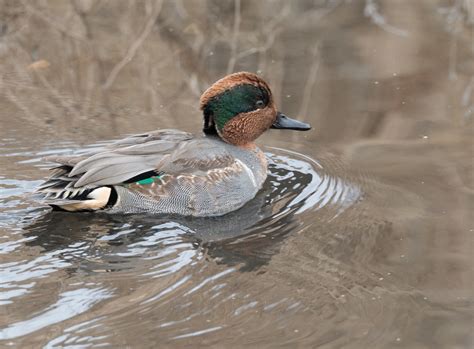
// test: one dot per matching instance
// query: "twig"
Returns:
(371, 10)
(13, 99)
(132, 50)
(51, 21)
(235, 36)
(467, 99)
(310, 82)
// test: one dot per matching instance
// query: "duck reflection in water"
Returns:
(247, 237)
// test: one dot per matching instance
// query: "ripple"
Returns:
(165, 261)
(321, 190)
(71, 303)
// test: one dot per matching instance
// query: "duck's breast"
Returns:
(225, 185)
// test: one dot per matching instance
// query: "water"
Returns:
(362, 234)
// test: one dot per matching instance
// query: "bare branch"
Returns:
(132, 50)
(51, 21)
(235, 37)
(371, 11)
(310, 82)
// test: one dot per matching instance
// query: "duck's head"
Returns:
(240, 107)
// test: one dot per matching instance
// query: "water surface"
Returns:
(362, 234)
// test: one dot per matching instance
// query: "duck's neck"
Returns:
(248, 146)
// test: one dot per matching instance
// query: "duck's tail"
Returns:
(58, 191)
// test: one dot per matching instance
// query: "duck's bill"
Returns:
(284, 122)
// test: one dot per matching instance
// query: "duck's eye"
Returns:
(259, 104)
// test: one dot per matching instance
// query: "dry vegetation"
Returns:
(121, 64)
(65, 62)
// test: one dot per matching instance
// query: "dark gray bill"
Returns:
(284, 122)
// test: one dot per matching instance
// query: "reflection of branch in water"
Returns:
(468, 7)
(51, 21)
(235, 36)
(456, 16)
(310, 82)
(271, 36)
(14, 100)
(62, 100)
(270, 31)
(132, 50)
(453, 57)
(467, 99)
(14, 87)
(371, 10)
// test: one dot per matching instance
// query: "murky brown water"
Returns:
(362, 235)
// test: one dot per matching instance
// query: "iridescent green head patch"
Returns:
(239, 99)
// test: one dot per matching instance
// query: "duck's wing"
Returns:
(131, 163)
(158, 135)
(119, 165)
(119, 162)
(168, 135)
(84, 183)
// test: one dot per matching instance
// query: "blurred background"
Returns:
(388, 86)
(357, 69)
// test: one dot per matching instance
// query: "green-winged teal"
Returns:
(174, 172)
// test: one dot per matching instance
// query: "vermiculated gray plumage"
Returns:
(199, 176)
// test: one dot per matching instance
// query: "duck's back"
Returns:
(193, 176)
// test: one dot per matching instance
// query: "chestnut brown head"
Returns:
(240, 107)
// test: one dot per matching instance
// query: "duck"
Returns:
(174, 172)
